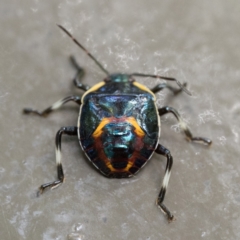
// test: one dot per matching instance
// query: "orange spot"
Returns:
(144, 88)
(139, 132)
(97, 133)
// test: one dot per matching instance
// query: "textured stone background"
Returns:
(195, 41)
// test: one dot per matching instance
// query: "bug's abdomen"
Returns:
(116, 134)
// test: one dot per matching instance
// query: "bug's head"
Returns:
(119, 78)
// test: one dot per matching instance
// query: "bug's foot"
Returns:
(165, 210)
(205, 141)
(27, 110)
(46, 186)
(171, 218)
(36, 112)
(39, 192)
(177, 91)
(32, 111)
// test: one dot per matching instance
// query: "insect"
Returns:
(118, 126)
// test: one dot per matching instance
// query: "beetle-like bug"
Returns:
(118, 125)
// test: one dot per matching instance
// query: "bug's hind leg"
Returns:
(79, 75)
(165, 152)
(183, 125)
(55, 106)
(64, 130)
(162, 86)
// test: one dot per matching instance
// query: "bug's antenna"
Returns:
(84, 49)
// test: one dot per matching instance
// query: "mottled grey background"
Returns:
(195, 41)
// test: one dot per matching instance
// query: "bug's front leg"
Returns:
(162, 86)
(64, 130)
(182, 86)
(165, 152)
(79, 75)
(55, 106)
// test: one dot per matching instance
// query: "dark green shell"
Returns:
(119, 127)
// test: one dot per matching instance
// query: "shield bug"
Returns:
(118, 126)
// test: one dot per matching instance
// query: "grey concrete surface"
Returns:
(197, 42)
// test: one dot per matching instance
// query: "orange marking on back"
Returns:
(144, 88)
(98, 142)
(138, 129)
(97, 133)
(130, 120)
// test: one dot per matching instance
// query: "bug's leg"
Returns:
(64, 130)
(184, 126)
(165, 152)
(162, 77)
(55, 106)
(161, 86)
(79, 75)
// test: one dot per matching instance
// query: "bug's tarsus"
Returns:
(74, 62)
(203, 140)
(44, 113)
(165, 78)
(84, 49)
(44, 187)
